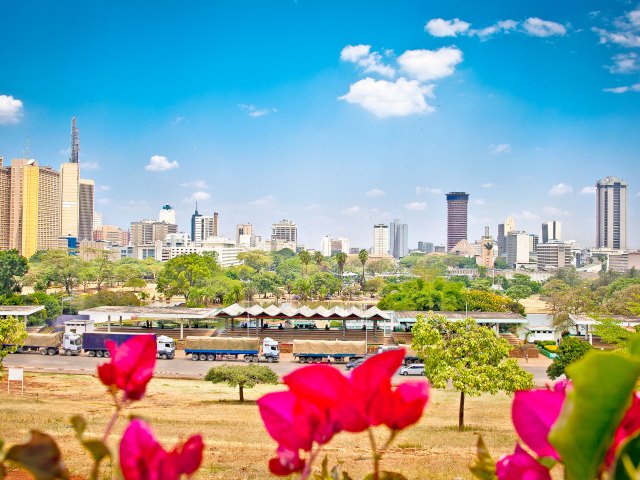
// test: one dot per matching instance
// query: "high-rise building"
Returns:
(518, 248)
(97, 220)
(487, 253)
(398, 239)
(194, 221)
(284, 235)
(330, 246)
(503, 230)
(425, 247)
(611, 213)
(70, 191)
(380, 239)
(167, 214)
(457, 206)
(147, 232)
(5, 205)
(551, 231)
(533, 242)
(244, 232)
(85, 210)
(74, 157)
(111, 234)
(204, 226)
(555, 254)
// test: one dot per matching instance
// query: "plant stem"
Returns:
(113, 420)
(375, 455)
(307, 466)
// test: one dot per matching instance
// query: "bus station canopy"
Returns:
(306, 313)
(19, 310)
(159, 313)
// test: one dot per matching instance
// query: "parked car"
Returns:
(415, 369)
(355, 362)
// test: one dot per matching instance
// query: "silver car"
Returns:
(415, 369)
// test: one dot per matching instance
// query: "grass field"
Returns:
(237, 446)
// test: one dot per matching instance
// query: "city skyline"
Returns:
(525, 117)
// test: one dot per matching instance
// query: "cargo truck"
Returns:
(95, 343)
(410, 356)
(316, 351)
(218, 348)
(51, 343)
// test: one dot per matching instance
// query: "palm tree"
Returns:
(341, 260)
(318, 258)
(363, 256)
(305, 258)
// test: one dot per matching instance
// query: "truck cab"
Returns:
(270, 349)
(166, 347)
(71, 344)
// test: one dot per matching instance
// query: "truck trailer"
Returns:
(218, 348)
(316, 351)
(51, 343)
(95, 343)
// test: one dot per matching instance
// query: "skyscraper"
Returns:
(398, 239)
(284, 234)
(244, 234)
(551, 231)
(457, 204)
(611, 213)
(74, 157)
(380, 239)
(5, 205)
(85, 209)
(503, 230)
(194, 221)
(70, 191)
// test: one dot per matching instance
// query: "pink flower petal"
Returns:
(521, 466)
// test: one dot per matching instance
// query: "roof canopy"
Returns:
(320, 313)
(480, 317)
(161, 313)
(19, 310)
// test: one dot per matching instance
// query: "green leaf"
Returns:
(634, 347)
(627, 461)
(602, 387)
(97, 448)
(484, 467)
(41, 456)
(79, 424)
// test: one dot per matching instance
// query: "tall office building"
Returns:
(5, 205)
(425, 247)
(398, 239)
(611, 213)
(204, 227)
(551, 231)
(555, 254)
(147, 232)
(244, 233)
(97, 220)
(380, 239)
(457, 206)
(70, 191)
(518, 248)
(194, 221)
(85, 209)
(111, 234)
(487, 250)
(167, 214)
(284, 234)
(503, 230)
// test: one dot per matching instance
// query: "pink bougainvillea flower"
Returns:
(407, 404)
(286, 462)
(321, 384)
(534, 412)
(629, 426)
(130, 367)
(521, 466)
(143, 458)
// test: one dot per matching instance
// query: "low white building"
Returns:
(179, 244)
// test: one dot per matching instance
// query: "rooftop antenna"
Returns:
(26, 153)
(75, 142)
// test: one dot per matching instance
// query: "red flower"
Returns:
(629, 426)
(533, 413)
(406, 405)
(286, 462)
(521, 466)
(131, 366)
(143, 458)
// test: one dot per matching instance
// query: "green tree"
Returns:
(500, 264)
(183, 273)
(242, 376)
(341, 259)
(363, 256)
(305, 259)
(381, 265)
(318, 258)
(12, 332)
(266, 282)
(57, 267)
(571, 350)
(257, 260)
(472, 357)
(613, 333)
(12, 267)
(518, 292)
(136, 283)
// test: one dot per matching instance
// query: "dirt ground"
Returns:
(237, 446)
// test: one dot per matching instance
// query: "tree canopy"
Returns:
(12, 332)
(242, 376)
(571, 350)
(12, 267)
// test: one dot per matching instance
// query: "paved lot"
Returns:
(183, 366)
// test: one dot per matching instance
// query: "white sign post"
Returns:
(17, 375)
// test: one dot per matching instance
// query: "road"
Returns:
(184, 367)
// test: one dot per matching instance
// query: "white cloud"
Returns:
(556, 212)
(352, 210)
(159, 163)
(439, 27)
(104, 188)
(560, 189)
(626, 30)
(487, 185)
(371, 61)
(11, 110)
(65, 151)
(390, 99)
(590, 190)
(434, 191)
(178, 120)
(500, 148)
(256, 112)
(543, 28)
(502, 26)
(90, 165)
(198, 196)
(104, 201)
(375, 192)
(426, 65)
(625, 89)
(624, 63)
(416, 206)
(199, 184)
(266, 200)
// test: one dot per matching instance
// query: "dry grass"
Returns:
(237, 445)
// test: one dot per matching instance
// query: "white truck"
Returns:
(218, 348)
(51, 343)
(316, 351)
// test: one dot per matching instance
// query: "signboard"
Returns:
(15, 375)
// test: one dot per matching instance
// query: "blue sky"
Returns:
(334, 114)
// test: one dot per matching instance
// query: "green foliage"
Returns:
(242, 376)
(473, 358)
(184, 272)
(107, 297)
(483, 467)
(594, 406)
(518, 292)
(12, 267)
(613, 333)
(255, 259)
(55, 267)
(380, 265)
(571, 350)
(500, 264)
(41, 456)
(135, 283)
(12, 332)
(305, 259)
(363, 256)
